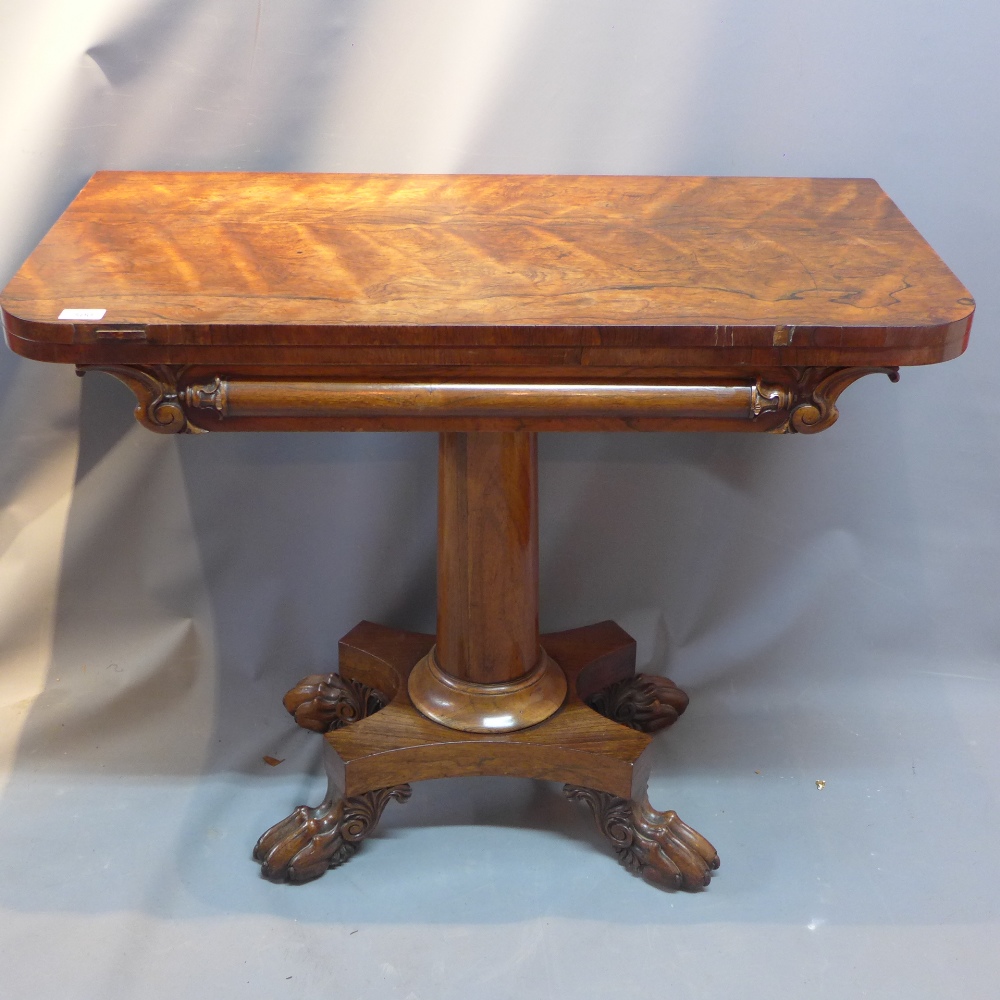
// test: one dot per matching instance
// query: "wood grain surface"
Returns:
(397, 744)
(299, 269)
(487, 583)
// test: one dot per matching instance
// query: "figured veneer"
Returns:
(373, 269)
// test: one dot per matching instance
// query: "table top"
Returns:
(217, 268)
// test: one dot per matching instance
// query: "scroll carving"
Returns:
(310, 841)
(321, 702)
(815, 392)
(658, 847)
(644, 702)
(159, 405)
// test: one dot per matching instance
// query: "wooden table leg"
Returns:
(487, 695)
(487, 672)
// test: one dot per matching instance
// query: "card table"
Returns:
(487, 309)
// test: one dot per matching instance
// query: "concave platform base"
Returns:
(377, 743)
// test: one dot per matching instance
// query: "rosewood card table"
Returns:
(486, 308)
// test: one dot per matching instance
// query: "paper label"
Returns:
(91, 314)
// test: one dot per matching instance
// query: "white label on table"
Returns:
(91, 314)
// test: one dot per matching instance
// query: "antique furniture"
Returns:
(487, 308)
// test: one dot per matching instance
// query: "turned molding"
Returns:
(777, 400)
(501, 707)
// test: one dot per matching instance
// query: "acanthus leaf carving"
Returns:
(645, 702)
(657, 846)
(766, 398)
(304, 845)
(321, 702)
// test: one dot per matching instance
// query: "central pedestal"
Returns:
(487, 672)
(486, 695)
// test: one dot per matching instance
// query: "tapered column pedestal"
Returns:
(487, 671)
(487, 695)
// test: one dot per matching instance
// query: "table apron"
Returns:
(236, 398)
(172, 399)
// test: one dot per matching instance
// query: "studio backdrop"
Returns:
(829, 602)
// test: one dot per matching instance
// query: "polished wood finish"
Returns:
(373, 757)
(487, 590)
(487, 672)
(479, 707)
(485, 303)
(575, 745)
(473, 400)
(486, 308)
(570, 272)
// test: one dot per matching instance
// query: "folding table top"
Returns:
(231, 268)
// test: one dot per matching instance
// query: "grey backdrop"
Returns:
(828, 602)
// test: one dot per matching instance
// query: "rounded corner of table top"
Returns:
(30, 338)
(956, 330)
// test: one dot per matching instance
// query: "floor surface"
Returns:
(855, 819)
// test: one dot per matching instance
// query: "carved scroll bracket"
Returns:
(159, 406)
(814, 393)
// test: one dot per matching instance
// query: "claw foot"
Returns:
(304, 845)
(645, 702)
(659, 847)
(322, 702)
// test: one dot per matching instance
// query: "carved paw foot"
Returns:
(645, 702)
(657, 846)
(304, 845)
(322, 702)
